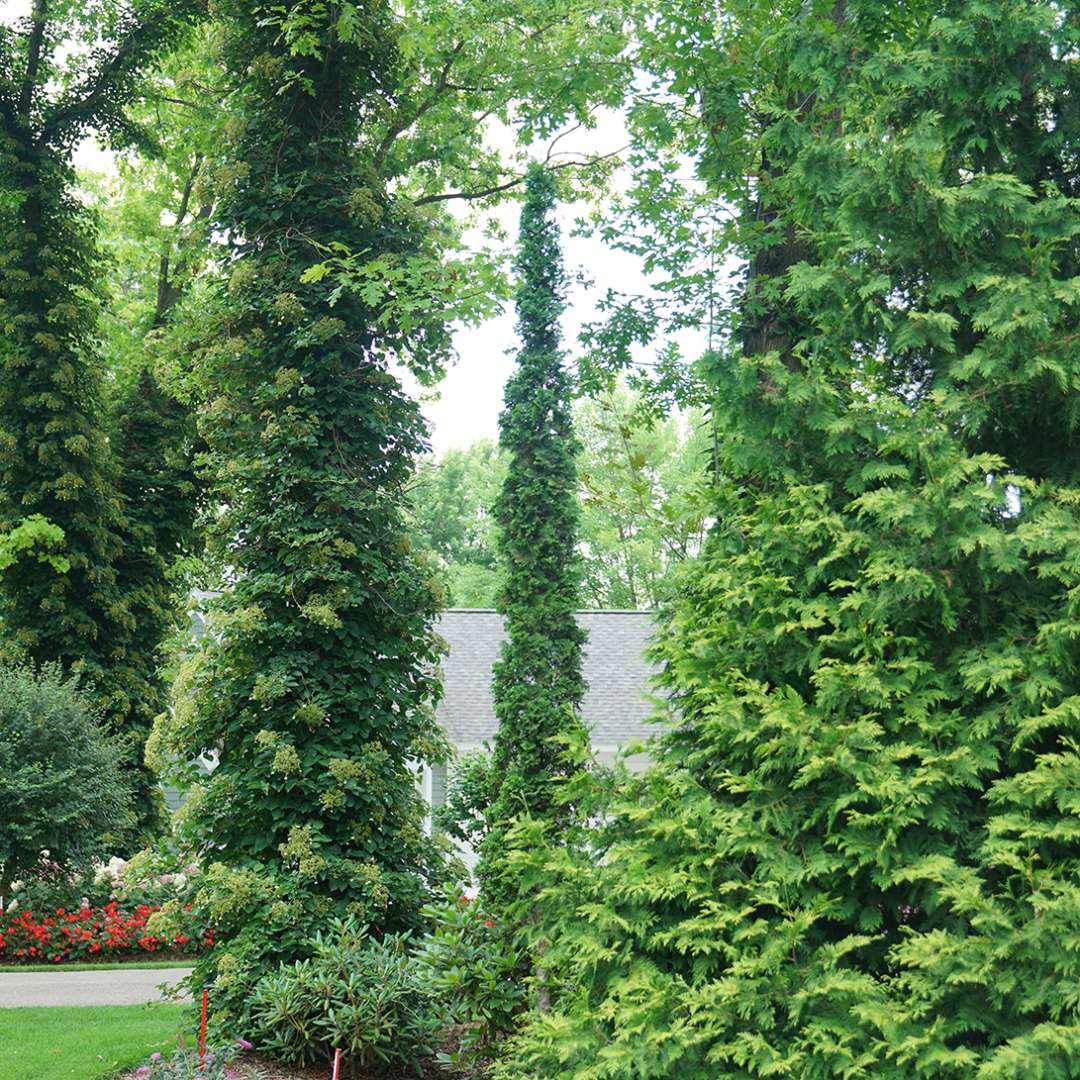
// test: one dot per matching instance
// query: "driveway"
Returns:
(116, 986)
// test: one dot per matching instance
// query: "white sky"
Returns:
(470, 396)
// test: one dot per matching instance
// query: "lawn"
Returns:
(83, 1043)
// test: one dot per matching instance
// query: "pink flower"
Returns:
(142, 1070)
(155, 1056)
(243, 1044)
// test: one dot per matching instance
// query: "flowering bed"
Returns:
(91, 933)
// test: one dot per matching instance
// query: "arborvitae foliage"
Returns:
(155, 444)
(857, 854)
(316, 681)
(538, 685)
(54, 456)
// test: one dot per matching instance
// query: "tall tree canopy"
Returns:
(315, 685)
(66, 71)
(856, 855)
(537, 685)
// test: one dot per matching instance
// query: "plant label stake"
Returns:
(202, 1031)
(337, 1064)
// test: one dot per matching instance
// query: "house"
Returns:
(617, 705)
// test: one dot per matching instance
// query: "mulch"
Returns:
(257, 1067)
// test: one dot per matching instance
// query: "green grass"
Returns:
(182, 962)
(84, 1042)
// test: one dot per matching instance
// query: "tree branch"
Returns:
(407, 121)
(39, 19)
(495, 189)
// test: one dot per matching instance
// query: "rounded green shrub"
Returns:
(61, 787)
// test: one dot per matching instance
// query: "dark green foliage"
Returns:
(538, 685)
(154, 445)
(857, 854)
(62, 788)
(368, 996)
(54, 456)
(315, 683)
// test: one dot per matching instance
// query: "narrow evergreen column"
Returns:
(538, 684)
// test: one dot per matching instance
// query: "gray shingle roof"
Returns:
(616, 705)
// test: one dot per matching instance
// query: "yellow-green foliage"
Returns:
(857, 854)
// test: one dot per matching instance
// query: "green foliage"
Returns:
(34, 537)
(644, 498)
(537, 685)
(476, 975)
(368, 996)
(155, 444)
(451, 503)
(856, 855)
(470, 785)
(71, 69)
(315, 682)
(63, 791)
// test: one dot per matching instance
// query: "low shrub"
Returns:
(47, 887)
(368, 996)
(93, 933)
(475, 973)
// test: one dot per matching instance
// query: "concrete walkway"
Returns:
(116, 986)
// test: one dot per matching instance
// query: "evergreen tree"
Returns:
(856, 855)
(155, 443)
(55, 459)
(315, 685)
(538, 684)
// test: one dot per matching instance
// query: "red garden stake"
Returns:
(337, 1065)
(202, 1031)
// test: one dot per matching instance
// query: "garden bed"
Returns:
(89, 934)
(257, 1067)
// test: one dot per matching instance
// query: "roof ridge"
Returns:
(577, 611)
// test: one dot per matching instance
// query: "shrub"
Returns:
(367, 996)
(60, 778)
(476, 974)
(48, 887)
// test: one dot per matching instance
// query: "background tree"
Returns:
(537, 685)
(856, 854)
(66, 71)
(63, 791)
(452, 500)
(643, 491)
(644, 498)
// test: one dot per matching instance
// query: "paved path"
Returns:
(116, 986)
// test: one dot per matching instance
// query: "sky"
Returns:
(470, 396)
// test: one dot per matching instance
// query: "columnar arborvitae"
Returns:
(857, 854)
(155, 443)
(315, 685)
(55, 459)
(538, 684)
